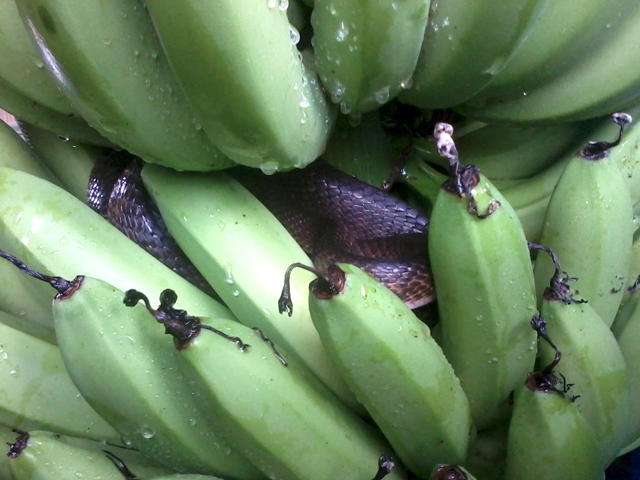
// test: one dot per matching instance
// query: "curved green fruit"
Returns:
(54, 232)
(458, 57)
(394, 367)
(24, 108)
(21, 66)
(243, 251)
(600, 83)
(486, 296)
(268, 405)
(245, 80)
(108, 61)
(549, 438)
(590, 215)
(131, 375)
(365, 50)
(37, 392)
(47, 456)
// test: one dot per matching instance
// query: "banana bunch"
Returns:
(115, 367)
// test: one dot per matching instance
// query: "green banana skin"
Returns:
(216, 222)
(245, 80)
(16, 153)
(20, 64)
(37, 392)
(54, 232)
(307, 434)
(396, 370)
(593, 362)
(105, 344)
(26, 109)
(49, 456)
(486, 297)
(488, 452)
(599, 84)
(549, 438)
(626, 329)
(7, 435)
(27, 325)
(69, 160)
(565, 35)
(366, 51)
(590, 196)
(88, 46)
(455, 62)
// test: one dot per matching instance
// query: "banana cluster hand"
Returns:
(351, 384)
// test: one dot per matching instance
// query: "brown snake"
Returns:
(333, 216)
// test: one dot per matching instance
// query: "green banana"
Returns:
(89, 47)
(245, 80)
(104, 344)
(23, 108)
(36, 391)
(486, 296)
(69, 160)
(513, 152)
(455, 62)
(7, 436)
(41, 455)
(590, 215)
(548, 435)
(16, 153)
(597, 83)
(593, 363)
(394, 367)
(266, 404)
(566, 33)
(21, 66)
(488, 452)
(626, 329)
(216, 222)
(366, 51)
(55, 232)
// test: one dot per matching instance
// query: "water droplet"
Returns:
(272, 3)
(406, 83)
(342, 32)
(221, 226)
(332, 10)
(283, 5)
(106, 41)
(382, 95)
(236, 293)
(146, 432)
(304, 101)
(228, 272)
(269, 167)
(294, 35)
(344, 108)
(192, 422)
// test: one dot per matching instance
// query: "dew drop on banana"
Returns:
(382, 95)
(294, 35)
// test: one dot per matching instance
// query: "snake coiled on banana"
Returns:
(333, 216)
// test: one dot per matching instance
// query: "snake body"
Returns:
(333, 216)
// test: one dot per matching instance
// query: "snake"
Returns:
(333, 216)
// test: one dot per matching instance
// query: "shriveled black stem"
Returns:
(326, 282)
(121, 466)
(268, 341)
(61, 285)
(386, 464)
(599, 150)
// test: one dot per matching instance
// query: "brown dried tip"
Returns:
(449, 472)
(16, 448)
(598, 150)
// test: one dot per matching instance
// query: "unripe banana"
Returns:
(266, 404)
(245, 79)
(243, 250)
(590, 216)
(41, 455)
(593, 364)
(626, 329)
(36, 390)
(394, 367)
(55, 232)
(107, 59)
(24, 108)
(366, 51)
(70, 161)
(486, 297)
(127, 371)
(455, 61)
(549, 438)
(21, 66)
